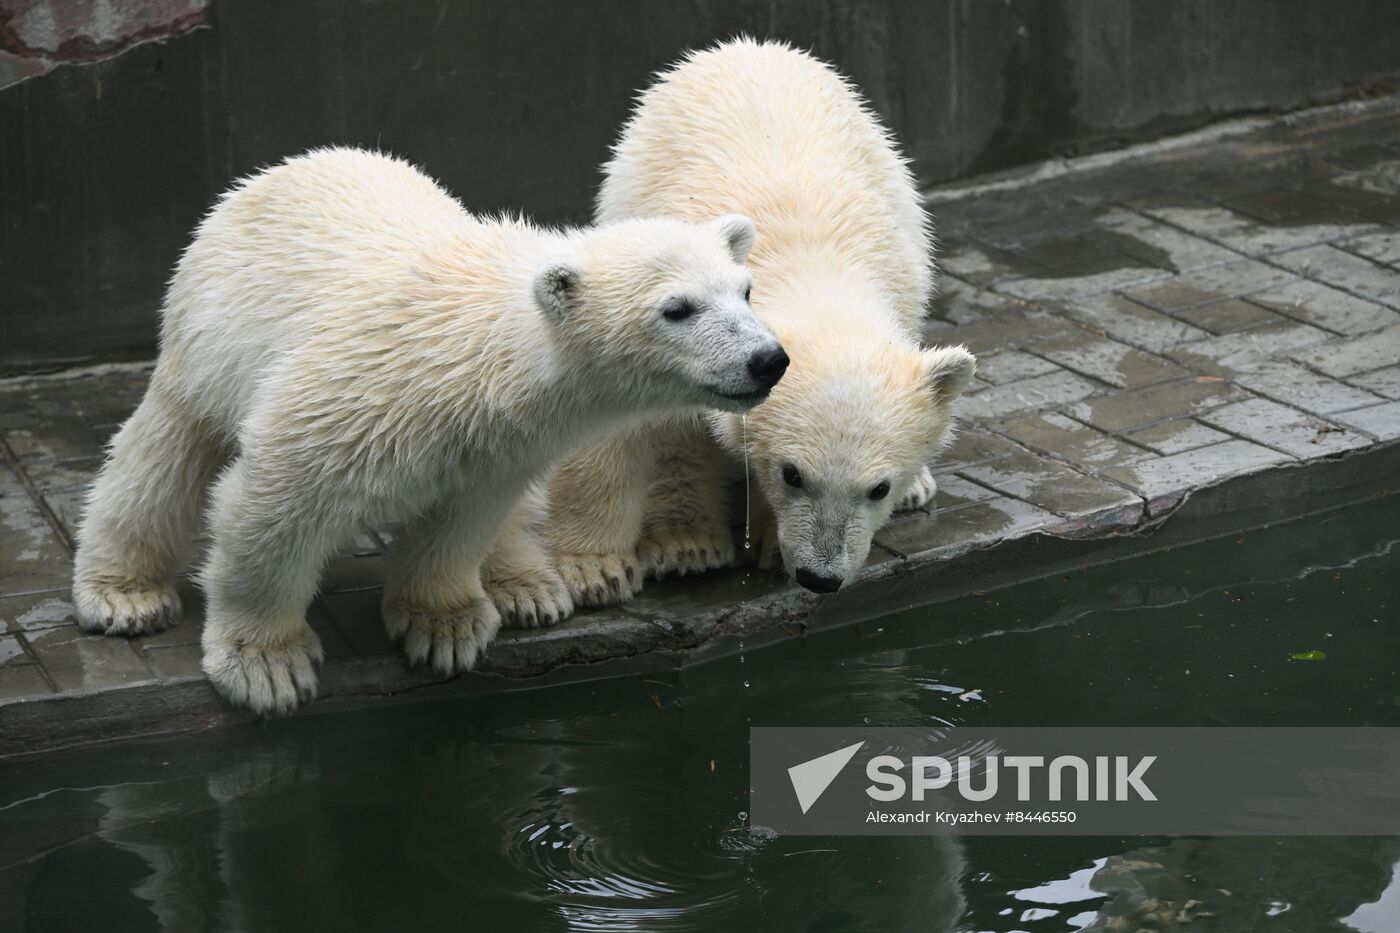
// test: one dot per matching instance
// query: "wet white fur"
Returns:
(343, 343)
(842, 268)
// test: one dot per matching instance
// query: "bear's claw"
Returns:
(267, 679)
(685, 553)
(920, 492)
(126, 608)
(450, 640)
(531, 599)
(600, 579)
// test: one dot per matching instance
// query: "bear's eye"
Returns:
(748, 292)
(880, 491)
(677, 309)
(791, 476)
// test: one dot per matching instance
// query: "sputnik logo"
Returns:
(811, 778)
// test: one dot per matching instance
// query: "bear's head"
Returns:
(660, 309)
(838, 445)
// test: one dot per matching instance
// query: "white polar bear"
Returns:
(843, 265)
(365, 350)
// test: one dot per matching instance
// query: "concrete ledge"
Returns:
(684, 632)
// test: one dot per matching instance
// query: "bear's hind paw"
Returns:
(600, 579)
(266, 679)
(531, 599)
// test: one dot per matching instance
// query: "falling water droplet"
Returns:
(746, 683)
(745, 420)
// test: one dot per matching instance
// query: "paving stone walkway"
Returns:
(1145, 330)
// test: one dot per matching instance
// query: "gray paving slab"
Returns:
(1227, 317)
(31, 612)
(1384, 382)
(1246, 349)
(1075, 442)
(1204, 286)
(1012, 366)
(1247, 235)
(1135, 408)
(1180, 473)
(1176, 436)
(1350, 357)
(1137, 325)
(1326, 307)
(976, 525)
(1296, 385)
(1108, 361)
(1051, 485)
(1379, 421)
(1282, 428)
(980, 264)
(1054, 388)
(1346, 272)
(1383, 248)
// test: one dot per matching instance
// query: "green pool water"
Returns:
(620, 805)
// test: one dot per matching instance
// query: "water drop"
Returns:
(745, 420)
(743, 814)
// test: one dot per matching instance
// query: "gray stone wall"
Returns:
(120, 121)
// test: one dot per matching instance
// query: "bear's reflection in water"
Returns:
(423, 817)
(420, 818)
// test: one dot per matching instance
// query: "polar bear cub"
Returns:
(844, 268)
(343, 343)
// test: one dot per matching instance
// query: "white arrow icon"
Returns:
(811, 778)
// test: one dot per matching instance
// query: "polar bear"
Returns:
(358, 348)
(843, 265)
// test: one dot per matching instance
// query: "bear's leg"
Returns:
(141, 515)
(920, 492)
(433, 596)
(270, 541)
(596, 500)
(519, 576)
(686, 529)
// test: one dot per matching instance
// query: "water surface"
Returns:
(620, 805)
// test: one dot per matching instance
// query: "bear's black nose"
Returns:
(817, 583)
(768, 366)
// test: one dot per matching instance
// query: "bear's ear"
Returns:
(948, 370)
(557, 288)
(738, 232)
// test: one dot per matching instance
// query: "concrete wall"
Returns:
(118, 128)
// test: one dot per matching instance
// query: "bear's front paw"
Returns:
(600, 579)
(125, 607)
(266, 679)
(920, 492)
(686, 552)
(530, 598)
(451, 640)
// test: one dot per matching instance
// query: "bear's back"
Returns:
(337, 258)
(771, 132)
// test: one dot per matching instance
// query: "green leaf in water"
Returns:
(1309, 656)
